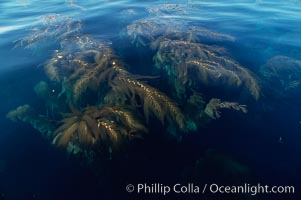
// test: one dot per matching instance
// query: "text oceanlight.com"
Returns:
(191, 188)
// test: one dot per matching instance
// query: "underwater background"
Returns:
(251, 51)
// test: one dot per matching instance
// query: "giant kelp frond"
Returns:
(126, 115)
(109, 124)
(120, 122)
(20, 113)
(250, 81)
(27, 114)
(75, 128)
(154, 101)
(114, 131)
(64, 137)
(283, 72)
(278, 66)
(201, 33)
(183, 60)
(51, 70)
(101, 65)
(181, 29)
(82, 63)
(92, 78)
(145, 31)
(75, 57)
(53, 27)
(115, 97)
(215, 105)
(87, 79)
(142, 32)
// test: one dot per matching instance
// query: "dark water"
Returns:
(266, 140)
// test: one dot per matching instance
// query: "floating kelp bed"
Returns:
(86, 68)
(96, 105)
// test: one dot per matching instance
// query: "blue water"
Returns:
(266, 140)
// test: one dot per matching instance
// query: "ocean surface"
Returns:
(264, 143)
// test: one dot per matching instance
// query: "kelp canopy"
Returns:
(103, 103)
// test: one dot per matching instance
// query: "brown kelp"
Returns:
(154, 101)
(26, 113)
(80, 65)
(215, 105)
(78, 54)
(20, 113)
(185, 60)
(53, 27)
(143, 32)
(284, 73)
(92, 68)
(190, 63)
(108, 124)
(109, 104)
(85, 63)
